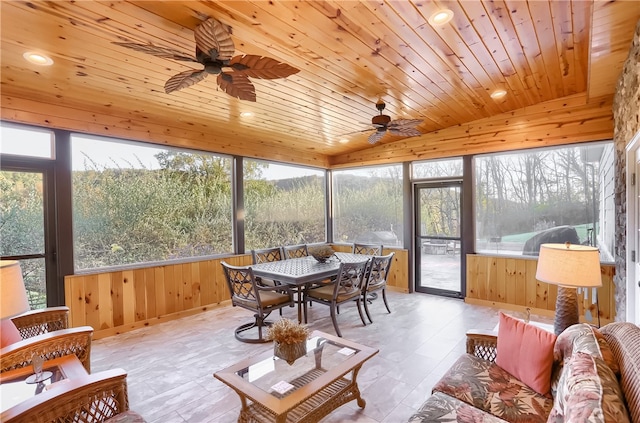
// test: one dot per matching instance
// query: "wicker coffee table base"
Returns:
(311, 410)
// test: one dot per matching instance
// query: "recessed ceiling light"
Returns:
(498, 94)
(343, 141)
(440, 17)
(246, 114)
(37, 58)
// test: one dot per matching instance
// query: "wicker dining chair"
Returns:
(295, 251)
(247, 293)
(368, 249)
(376, 280)
(347, 288)
(97, 398)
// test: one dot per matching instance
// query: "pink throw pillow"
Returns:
(526, 351)
(9, 333)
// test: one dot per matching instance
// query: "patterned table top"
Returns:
(303, 270)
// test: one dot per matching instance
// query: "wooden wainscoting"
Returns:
(511, 283)
(120, 301)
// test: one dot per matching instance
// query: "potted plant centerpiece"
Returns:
(322, 253)
(289, 339)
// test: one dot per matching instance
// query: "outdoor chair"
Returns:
(368, 249)
(248, 293)
(295, 251)
(267, 255)
(376, 280)
(96, 398)
(346, 289)
(44, 332)
(37, 322)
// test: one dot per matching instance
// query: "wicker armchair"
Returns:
(49, 345)
(37, 322)
(46, 332)
(483, 344)
(91, 398)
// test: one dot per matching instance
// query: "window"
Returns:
(437, 169)
(284, 205)
(134, 203)
(29, 142)
(548, 195)
(368, 205)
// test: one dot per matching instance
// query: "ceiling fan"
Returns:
(399, 127)
(214, 50)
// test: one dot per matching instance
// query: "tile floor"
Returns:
(170, 366)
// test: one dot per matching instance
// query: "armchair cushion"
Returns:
(490, 388)
(589, 392)
(9, 333)
(325, 292)
(526, 352)
(267, 298)
(443, 408)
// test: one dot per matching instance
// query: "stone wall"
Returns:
(626, 114)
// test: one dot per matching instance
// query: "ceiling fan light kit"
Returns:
(399, 127)
(214, 50)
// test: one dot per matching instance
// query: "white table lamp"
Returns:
(570, 267)
(13, 299)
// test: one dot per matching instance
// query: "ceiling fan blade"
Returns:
(214, 39)
(183, 80)
(261, 67)
(376, 136)
(164, 52)
(404, 123)
(237, 85)
(405, 132)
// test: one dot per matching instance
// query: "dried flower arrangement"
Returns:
(321, 252)
(286, 331)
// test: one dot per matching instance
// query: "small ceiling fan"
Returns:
(214, 50)
(399, 127)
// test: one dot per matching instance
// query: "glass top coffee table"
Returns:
(313, 386)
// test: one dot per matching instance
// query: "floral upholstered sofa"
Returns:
(594, 376)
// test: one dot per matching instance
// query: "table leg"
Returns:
(300, 288)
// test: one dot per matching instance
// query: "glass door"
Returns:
(438, 239)
(22, 229)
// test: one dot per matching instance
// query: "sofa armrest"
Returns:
(37, 322)
(49, 345)
(94, 398)
(483, 344)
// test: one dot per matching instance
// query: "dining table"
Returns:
(301, 272)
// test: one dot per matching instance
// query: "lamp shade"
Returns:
(13, 300)
(569, 265)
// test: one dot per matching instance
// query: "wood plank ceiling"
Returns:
(350, 54)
